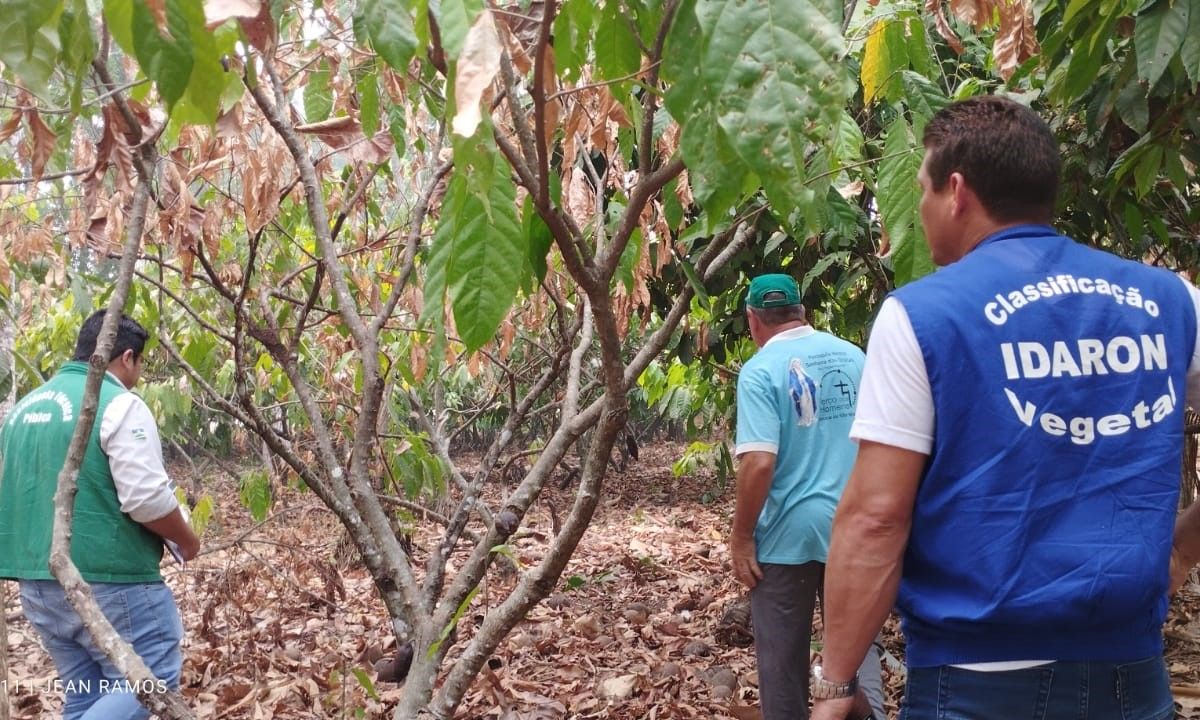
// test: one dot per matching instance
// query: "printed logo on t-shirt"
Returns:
(839, 396)
(138, 433)
(803, 390)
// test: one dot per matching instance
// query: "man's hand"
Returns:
(1180, 567)
(839, 709)
(744, 556)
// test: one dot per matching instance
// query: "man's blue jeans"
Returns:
(144, 614)
(1059, 691)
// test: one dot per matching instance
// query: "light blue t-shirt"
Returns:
(796, 399)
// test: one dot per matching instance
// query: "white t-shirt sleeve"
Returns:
(1193, 374)
(895, 402)
(129, 436)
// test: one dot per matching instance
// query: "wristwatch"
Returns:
(823, 689)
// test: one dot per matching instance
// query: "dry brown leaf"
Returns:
(976, 13)
(42, 139)
(229, 124)
(10, 125)
(344, 134)
(516, 51)
(218, 11)
(260, 29)
(477, 67)
(32, 243)
(934, 8)
(1016, 40)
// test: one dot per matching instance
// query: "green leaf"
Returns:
(207, 82)
(118, 16)
(899, 197)
(922, 97)
(202, 514)
(917, 45)
(454, 20)
(1133, 107)
(449, 628)
(487, 249)
(1158, 35)
(1189, 52)
(1146, 172)
(318, 96)
(75, 34)
(629, 260)
(821, 266)
(365, 681)
(389, 25)
(255, 494)
(1127, 160)
(846, 145)
(368, 101)
(768, 75)
(29, 40)
(167, 61)
(697, 284)
(538, 238)
(572, 32)
(615, 45)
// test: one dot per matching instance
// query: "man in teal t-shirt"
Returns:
(795, 404)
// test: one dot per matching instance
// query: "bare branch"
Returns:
(168, 704)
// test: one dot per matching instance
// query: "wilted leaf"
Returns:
(934, 8)
(260, 29)
(344, 134)
(884, 57)
(478, 65)
(1016, 40)
(10, 125)
(42, 140)
(976, 13)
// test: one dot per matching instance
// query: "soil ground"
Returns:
(283, 623)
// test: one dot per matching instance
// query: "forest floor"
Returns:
(282, 622)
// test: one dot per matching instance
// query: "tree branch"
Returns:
(168, 704)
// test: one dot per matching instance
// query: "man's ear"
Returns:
(959, 191)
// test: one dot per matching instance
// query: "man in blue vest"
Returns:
(124, 510)
(1020, 429)
(795, 403)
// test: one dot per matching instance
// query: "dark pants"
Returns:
(1057, 691)
(782, 605)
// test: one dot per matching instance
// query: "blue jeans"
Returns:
(145, 616)
(1137, 690)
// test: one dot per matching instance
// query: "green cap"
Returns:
(775, 290)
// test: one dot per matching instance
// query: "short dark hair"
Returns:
(1006, 153)
(130, 336)
(778, 315)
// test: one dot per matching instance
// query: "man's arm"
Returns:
(175, 528)
(862, 575)
(1186, 551)
(129, 437)
(754, 473)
